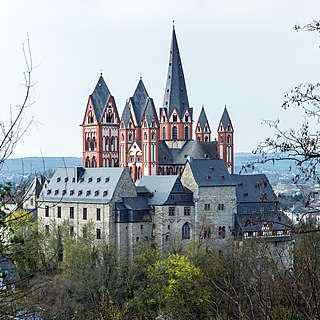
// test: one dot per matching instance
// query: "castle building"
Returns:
(145, 142)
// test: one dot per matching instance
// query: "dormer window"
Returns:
(79, 193)
(98, 179)
(73, 180)
(64, 192)
(56, 192)
(81, 180)
(90, 179)
(105, 193)
(58, 179)
(72, 192)
(88, 193)
(96, 193)
(107, 179)
(48, 192)
(66, 179)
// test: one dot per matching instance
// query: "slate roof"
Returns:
(135, 203)
(253, 188)
(159, 186)
(225, 119)
(210, 173)
(99, 98)
(139, 100)
(89, 185)
(191, 148)
(202, 119)
(126, 115)
(175, 95)
(150, 111)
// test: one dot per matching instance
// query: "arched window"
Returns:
(206, 139)
(174, 133)
(145, 136)
(221, 139)
(164, 133)
(94, 162)
(153, 135)
(109, 118)
(107, 143)
(228, 139)
(122, 137)
(130, 136)
(116, 144)
(112, 144)
(88, 143)
(186, 231)
(93, 143)
(87, 162)
(90, 118)
(186, 133)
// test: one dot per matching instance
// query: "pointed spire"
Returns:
(202, 119)
(226, 120)
(99, 97)
(139, 100)
(175, 95)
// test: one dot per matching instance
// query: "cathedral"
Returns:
(150, 143)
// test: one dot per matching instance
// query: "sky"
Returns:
(242, 54)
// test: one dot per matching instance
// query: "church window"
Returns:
(87, 163)
(174, 118)
(90, 118)
(145, 136)
(109, 118)
(221, 139)
(228, 139)
(153, 135)
(88, 143)
(172, 211)
(229, 127)
(94, 162)
(186, 231)
(206, 139)
(130, 137)
(145, 125)
(122, 137)
(186, 118)
(187, 211)
(186, 133)
(163, 119)
(112, 144)
(174, 133)
(130, 125)
(164, 134)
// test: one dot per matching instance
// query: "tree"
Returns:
(302, 145)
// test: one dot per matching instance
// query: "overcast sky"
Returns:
(241, 53)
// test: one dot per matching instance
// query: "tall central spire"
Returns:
(175, 95)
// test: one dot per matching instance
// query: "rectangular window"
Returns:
(187, 211)
(141, 226)
(98, 214)
(207, 206)
(71, 212)
(84, 213)
(137, 239)
(59, 212)
(172, 211)
(98, 233)
(72, 231)
(220, 206)
(47, 211)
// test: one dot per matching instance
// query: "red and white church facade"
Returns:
(148, 144)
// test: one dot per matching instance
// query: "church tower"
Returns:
(203, 131)
(139, 134)
(225, 141)
(176, 114)
(100, 129)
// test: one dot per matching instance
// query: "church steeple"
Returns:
(175, 95)
(203, 131)
(225, 140)
(176, 114)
